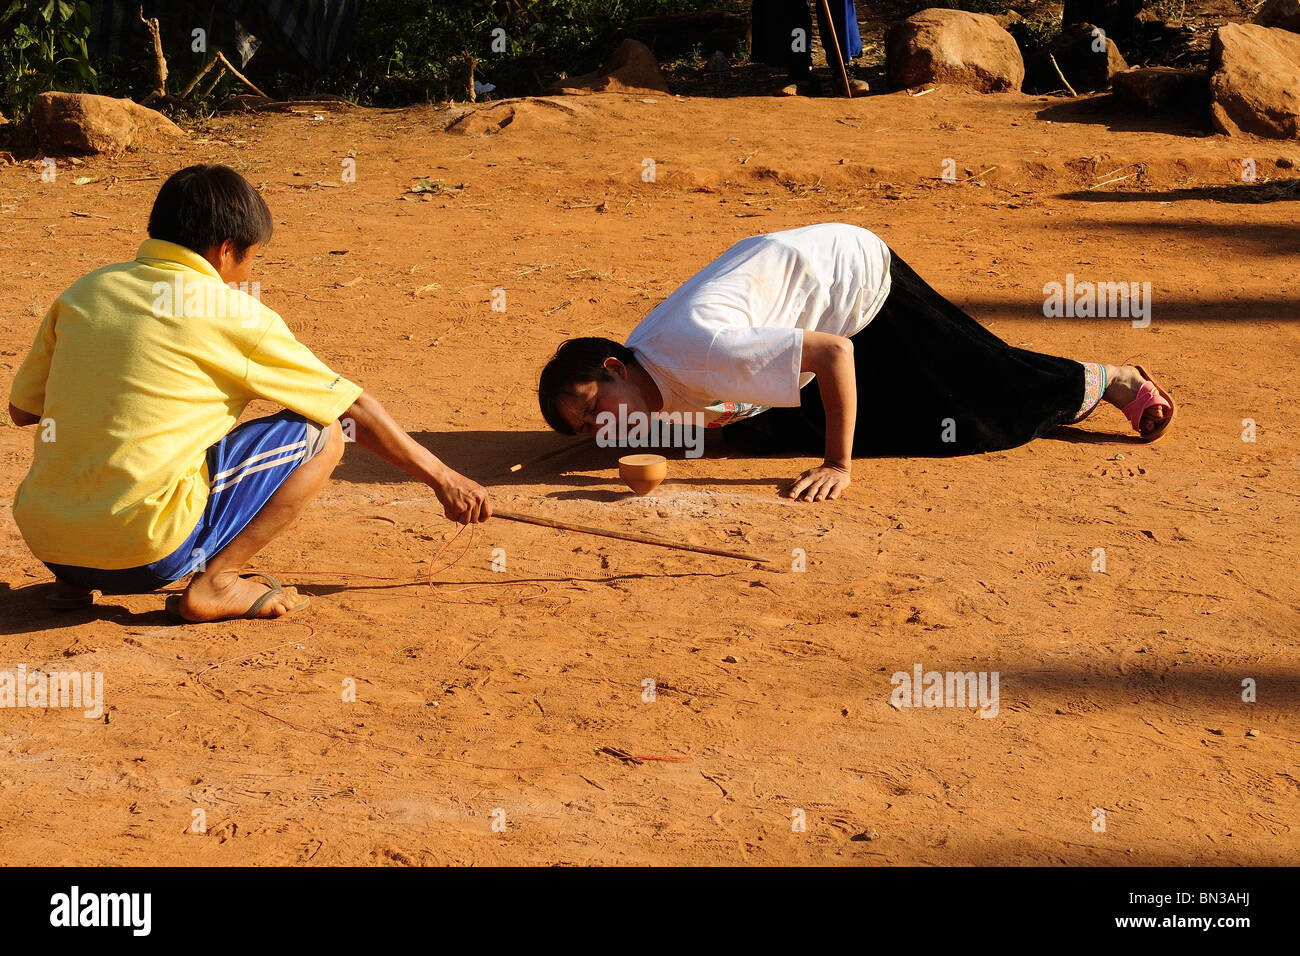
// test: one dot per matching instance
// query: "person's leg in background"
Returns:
(844, 17)
(781, 35)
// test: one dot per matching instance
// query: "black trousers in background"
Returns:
(932, 382)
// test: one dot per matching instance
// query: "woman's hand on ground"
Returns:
(822, 483)
(463, 500)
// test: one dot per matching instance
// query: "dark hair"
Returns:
(203, 206)
(576, 361)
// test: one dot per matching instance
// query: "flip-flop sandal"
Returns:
(1149, 395)
(173, 603)
(62, 603)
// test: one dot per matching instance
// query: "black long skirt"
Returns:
(932, 382)
(772, 26)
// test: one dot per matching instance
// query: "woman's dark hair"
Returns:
(203, 206)
(575, 362)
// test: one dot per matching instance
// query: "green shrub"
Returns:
(43, 47)
(1035, 35)
(406, 52)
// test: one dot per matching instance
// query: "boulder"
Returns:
(632, 68)
(1087, 57)
(954, 47)
(1161, 89)
(1283, 14)
(1255, 81)
(86, 123)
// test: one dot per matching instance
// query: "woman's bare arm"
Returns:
(830, 358)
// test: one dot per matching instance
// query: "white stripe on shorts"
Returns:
(265, 454)
(299, 454)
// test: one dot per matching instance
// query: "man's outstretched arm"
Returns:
(463, 500)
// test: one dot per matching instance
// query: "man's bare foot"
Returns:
(1122, 385)
(212, 597)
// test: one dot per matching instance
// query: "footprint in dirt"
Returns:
(1118, 471)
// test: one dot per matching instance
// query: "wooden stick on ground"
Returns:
(624, 536)
(838, 62)
(580, 443)
(1057, 67)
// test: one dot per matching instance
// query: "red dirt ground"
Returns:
(1119, 690)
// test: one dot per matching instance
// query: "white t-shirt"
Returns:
(729, 342)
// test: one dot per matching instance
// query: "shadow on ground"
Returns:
(1278, 190)
(1118, 117)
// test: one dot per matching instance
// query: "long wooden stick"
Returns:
(1057, 67)
(581, 442)
(239, 76)
(200, 75)
(835, 45)
(220, 57)
(624, 536)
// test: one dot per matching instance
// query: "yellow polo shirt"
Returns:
(136, 370)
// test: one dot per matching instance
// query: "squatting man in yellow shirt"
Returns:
(136, 380)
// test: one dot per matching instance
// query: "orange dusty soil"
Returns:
(495, 690)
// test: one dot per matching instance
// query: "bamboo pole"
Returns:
(536, 459)
(838, 63)
(624, 536)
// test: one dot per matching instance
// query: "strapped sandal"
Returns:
(173, 603)
(1148, 396)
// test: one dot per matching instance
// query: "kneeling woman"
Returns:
(899, 370)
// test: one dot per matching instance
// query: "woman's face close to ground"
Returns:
(587, 406)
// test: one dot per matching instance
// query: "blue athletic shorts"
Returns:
(245, 468)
